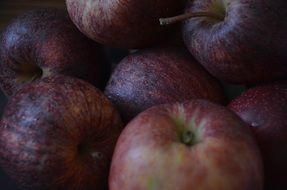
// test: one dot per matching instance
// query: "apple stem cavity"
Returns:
(28, 72)
(84, 150)
(97, 155)
(183, 17)
(188, 138)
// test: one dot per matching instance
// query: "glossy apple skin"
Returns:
(47, 38)
(156, 76)
(264, 108)
(150, 154)
(58, 133)
(247, 47)
(128, 24)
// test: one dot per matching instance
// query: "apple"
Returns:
(43, 42)
(241, 42)
(264, 109)
(129, 24)
(58, 133)
(191, 145)
(159, 75)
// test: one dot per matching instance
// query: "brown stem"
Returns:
(182, 17)
(188, 137)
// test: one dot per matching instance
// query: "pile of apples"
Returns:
(159, 119)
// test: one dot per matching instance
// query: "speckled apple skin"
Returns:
(249, 46)
(264, 108)
(48, 38)
(159, 75)
(51, 131)
(127, 24)
(150, 155)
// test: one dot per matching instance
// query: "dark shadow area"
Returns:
(5, 182)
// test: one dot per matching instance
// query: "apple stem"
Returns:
(188, 137)
(182, 17)
(97, 155)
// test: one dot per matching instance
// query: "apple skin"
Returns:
(45, 41)
(59, 133)
(191, 145)
(264, 109)
(126, 24)
(247, 46)
(159, 75)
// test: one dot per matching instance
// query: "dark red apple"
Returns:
(58, 133)
(120, 23)
(156, 76)
(45, 41)
(192, 145)
(264, 108)
(239, 41)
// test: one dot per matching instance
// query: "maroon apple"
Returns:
(237, 41)
(192, 145)
(120, 23)
(45, 41)
(58, 133)
(264, 108)
(156, 76)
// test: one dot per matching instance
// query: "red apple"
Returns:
(120, 23)
(192, 145)
(156, 76)
(264, 108)
(45, 41)
(58, 133)
(242, 41)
